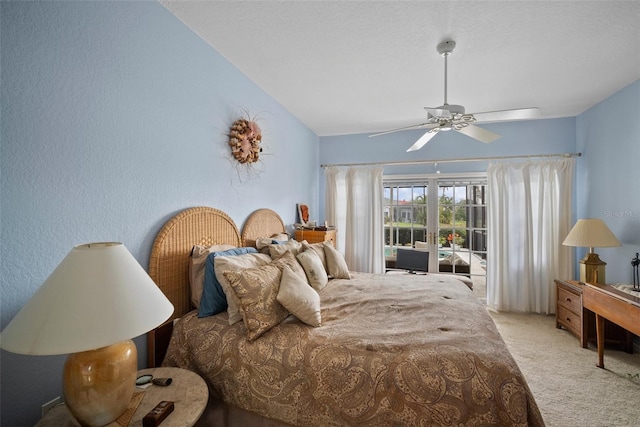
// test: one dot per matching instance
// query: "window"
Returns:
(447, 216)
(405, 215)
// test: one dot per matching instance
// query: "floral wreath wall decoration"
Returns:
(244, 140)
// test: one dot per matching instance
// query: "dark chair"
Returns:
(412, 260)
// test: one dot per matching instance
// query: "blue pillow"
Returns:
(213, 299)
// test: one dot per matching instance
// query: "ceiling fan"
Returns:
(453, 117)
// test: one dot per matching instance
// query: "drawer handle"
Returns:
(568, 319)
(568, 299)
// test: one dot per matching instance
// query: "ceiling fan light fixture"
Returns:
(455, 110)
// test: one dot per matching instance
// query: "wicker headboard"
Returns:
(169, 260)
(261, 223)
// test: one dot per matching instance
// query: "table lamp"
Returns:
(592, 232)
(92, 305)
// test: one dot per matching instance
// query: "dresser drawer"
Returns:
(316, 236)
(570, 300)
(569, 320)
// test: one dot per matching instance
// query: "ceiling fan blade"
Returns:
(421, 125)
(479, 133)
(422, 141)
(505, 115)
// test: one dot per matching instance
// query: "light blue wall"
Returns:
(607, 181)
(114, 117)
(517, 139)
(608, 178)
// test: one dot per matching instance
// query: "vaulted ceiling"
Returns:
(346, 67)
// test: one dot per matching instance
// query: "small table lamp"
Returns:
(591, 233)
(93, 303)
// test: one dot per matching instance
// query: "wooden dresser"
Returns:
(570, 313)
(316, 236)
(574, 317)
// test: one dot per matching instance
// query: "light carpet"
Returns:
(568, 387)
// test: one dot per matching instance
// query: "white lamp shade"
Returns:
(98, 295)
(592, 233)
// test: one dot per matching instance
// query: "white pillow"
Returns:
(336, 264)
(283, 237)
(319, 249)
(235, 263)
(197, 261)
(421, 245)
(277, 250)
(289, 260)
(313, 268)
(263, 242)
(299, 298)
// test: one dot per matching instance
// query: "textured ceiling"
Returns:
(346, 67)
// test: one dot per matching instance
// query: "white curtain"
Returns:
(529, 215)
(354, 205)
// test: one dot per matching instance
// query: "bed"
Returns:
(391, 350)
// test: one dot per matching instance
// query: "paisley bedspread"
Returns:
(393, 350)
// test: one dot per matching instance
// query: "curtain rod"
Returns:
(463, 159)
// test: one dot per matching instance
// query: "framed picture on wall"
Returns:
(303, 214)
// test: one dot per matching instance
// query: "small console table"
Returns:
(616, 306)
(573, 315)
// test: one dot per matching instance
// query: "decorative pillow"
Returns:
(319, 250)
(289, 260)
(336, 263)
(421, 245)
(263, 242)
(277, 250)
(197, 259)
(213, 299)
(236, 263)
(257, 290)
(299, 298)
(282, 237)
(316, 274)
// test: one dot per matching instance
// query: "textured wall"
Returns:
(114, 118)
(517, 139)
(607, 181)
(609, 176)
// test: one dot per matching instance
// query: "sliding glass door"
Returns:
(410, 219)
(462, 226)
(445, 216)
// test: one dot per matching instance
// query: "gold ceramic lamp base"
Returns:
(592, 269)
(98, 384)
